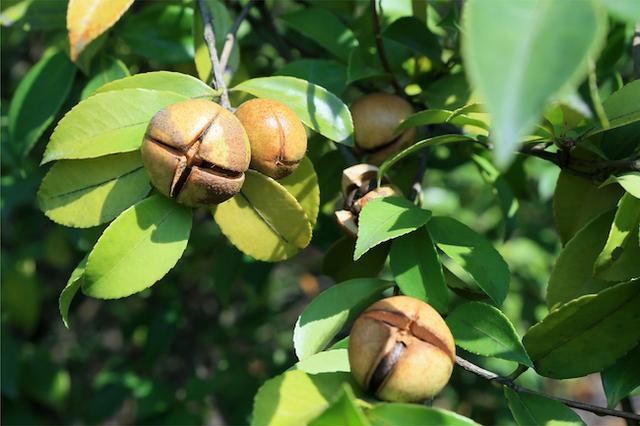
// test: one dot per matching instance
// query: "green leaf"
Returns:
(326, 73)
(325, 316)
(264, 220)
(577, 201)
(391, 414)
(325, 362)
(303, 185)
(319, 109)
(344, 410)
(383, 219)
(223, 23)
(625, 10)
(324, 28)
(138, 248)
(625, 222)
(70, 290)
(622, 378)
(434, 141)
(528, 409)
(474, 253)
(622, 108)
(105, 69)
(587, 334)
(339, 264)
(510, 54)
(38, 99)
(414, 34)
(417, 270)
(629, 181)
(438, 116)
(164, 81)
(294, 398)
(107, 123)
(84, 193)
(482, 329)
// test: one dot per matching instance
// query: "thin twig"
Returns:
(627, 405)
(493, 377)
(375, 22)
(231, 35)
(209, 36)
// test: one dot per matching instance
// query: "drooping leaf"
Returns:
(484, 330)
(165, 81)
(621, 108)
(295, 398)
(414, 34)
(383, 219)
(622, 378)
(327, 361)
(303, 185)
(577, 201)
(396, 413)
(318, 108)
(325, 316)
(70, 290)
(324, 72)
(222, 24)
(105, 69)
(38, 99)
(629, 181)
(86, 20)
(417, 270)
(344, 410)
(624, 223)
(107, 123)
(339, 264)
(518, 75)
(138, 248)
(474, 253)
(587, 334)
(530, 409)
(84, 193)
(264, 220)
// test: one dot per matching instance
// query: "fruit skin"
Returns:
(374, 118)
(277, 137)
(414, 342)
(196, 152)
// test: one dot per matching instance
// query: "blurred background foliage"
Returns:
(196, 347)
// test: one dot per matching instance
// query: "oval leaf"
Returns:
(86, 20)
(517, 76)
(474, 253)
(482, 329)
(138, 248)
(104, 70)
(438, 116)
(166, 81)
(318, 108)
(383, 219)
(303, 184)
(107, 123)
(264, 221)
(622, 378)
(325, 362)
(530, 409)
(624, 223)
(413, 414)
(38, 99)
(629, 181)
(587, 334)
(84, 193)
(325, 316)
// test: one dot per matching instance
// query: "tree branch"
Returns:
(231, 35)
(375, 22)
(209, 36)
(503, 381)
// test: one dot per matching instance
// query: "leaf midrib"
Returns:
(95, 185)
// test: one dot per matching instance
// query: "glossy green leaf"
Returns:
(104, 69)
(438, 116)
(528, 409)
(484, 330)
(107, 123)
(509, 51)
(434, 141)
(70, 290)
(474, 253)
(417, 270)
(624, 223)
(319, 109)
(303, 185)
(294, 398)
(326, 73)
(84, 193)
(344, 410)
(395, 413)
(138, 248)
(264, 220)
(222, 24)
(587, 334)
(383, 219)
(621, 108)
(629, 181)
(622, 378)
(37, 100)
(626, 265)
(577, 201)
(165, 81)
(328, 312)
(324, 28)
(339, 264)
(414, 34)
(325, 362)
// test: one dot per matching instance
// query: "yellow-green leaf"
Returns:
(303, 184)
(166, 81)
